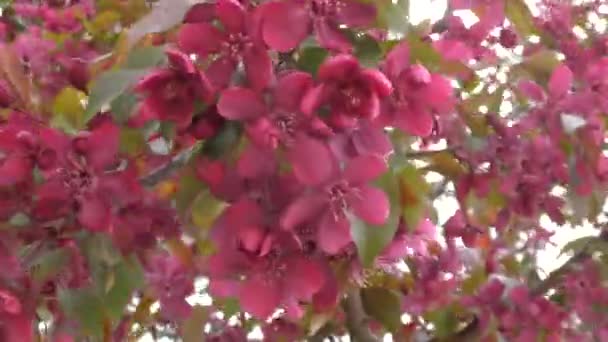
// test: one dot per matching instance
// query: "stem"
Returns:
(356, 319)
(164, 171)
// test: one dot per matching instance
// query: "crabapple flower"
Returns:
(350, 91)
(171, 92)
(286, 23)
(238, 42)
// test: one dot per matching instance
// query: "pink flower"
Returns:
(238, 41)
(171, 282)
(81, 180)
(418, 94)
(276, 273)
(279, 122)
(350, 91)
(286, 23)
(328, 203)
(171, 92)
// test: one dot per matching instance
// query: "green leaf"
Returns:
(192, 329)
(310, 58)
(205, 209)
(123, 106)
(48, 264)
(586, 243)
(520, 17)
(108, 87)
(226, 140)
(132, 141)
(444, 320)
(414, 191)
(69, 105)
(383, 305)
(371, 240)
(368, 51)
(19, 220)
(397, 17)
(85, 307)
(146, 57)
(188, 189)
(164, 15)
(128, 277)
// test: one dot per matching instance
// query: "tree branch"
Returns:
(163, 172)
(356, 319)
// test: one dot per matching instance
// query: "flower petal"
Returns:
(240, 104)
(561, 81)
(304, 277)
(258, 67)
(290, 89)
(94, 214)
(418, 123)
(531, 90)
(371, 139)
(397, 60)
(363, 169)
(232, 15)
(220, 71)
(199, 38)
(304, 209)
(333, 234)
(340, 67)
(311, 160)
(371, 205)
(15, 169)
(354, 13)
(199, 13)
(260, 297)
(378, 82)
(313, 98)
(256, 162)
(330, 37)
(285, 24)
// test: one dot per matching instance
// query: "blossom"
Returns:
(417, 96)
(329, 202)
(286, 23)
(276, 273)
(350, 91)
(81, 180)
(171, 282)
(238, 41)
(171, 92)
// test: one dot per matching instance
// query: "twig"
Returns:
(356, 319)
(164, 171)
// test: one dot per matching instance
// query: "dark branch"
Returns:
(165, 171)
(356, 319)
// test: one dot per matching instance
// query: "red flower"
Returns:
(350, 91)
(286, 23)
(328, 203)
(171, 92)
(171, 282)
(87, 181)
(238, 41)
(418, 94)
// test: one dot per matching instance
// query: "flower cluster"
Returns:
(280, 152)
